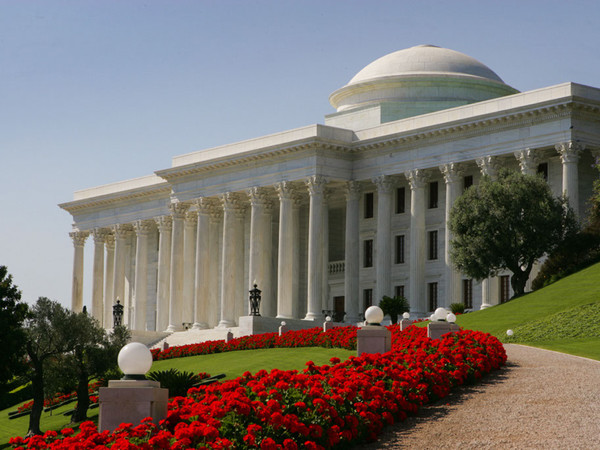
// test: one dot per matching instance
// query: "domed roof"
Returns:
(424, 60)
(419, 80)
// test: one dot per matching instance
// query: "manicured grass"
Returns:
(233, 364)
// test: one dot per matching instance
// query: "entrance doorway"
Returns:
(338, 309)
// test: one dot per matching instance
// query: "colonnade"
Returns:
(201, 255)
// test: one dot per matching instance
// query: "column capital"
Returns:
(528, 160)
(259, 196)
(353, 190)
(569, 151)
(316, 184)
(110, 241)
(232, 202)
(488, 165)
(452, 172)
(178, 209)
(285, 190)
(122, 230)
(143, 227)
(100, 235)
(417, 178)
(206, 205)
(79, 237)
(385, 183)
(164, 223)
(191, 218)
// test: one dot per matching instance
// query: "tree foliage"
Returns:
(12, 336)
(394, 306)
(507, 224)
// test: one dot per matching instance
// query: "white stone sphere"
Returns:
(440, 314)
(373, 315)
(406, 315)
(135, 359)
(509, 332)
(283, 323)
(451, 318)
(328, 319)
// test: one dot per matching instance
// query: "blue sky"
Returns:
(93, 92)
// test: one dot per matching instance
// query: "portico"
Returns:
(353, 210)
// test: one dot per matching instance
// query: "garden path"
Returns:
(540, 399)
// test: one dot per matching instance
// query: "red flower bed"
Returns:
(61, 398)
(328, 406)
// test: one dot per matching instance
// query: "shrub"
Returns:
(457, 308)
(178, 382)
(394, 306)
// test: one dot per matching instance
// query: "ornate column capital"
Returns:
(569, 151)
(191, 218)
(79, 237)
(100, 235)
(178, 209)
(528, 160)
(285, 190)
(259, 196)
(417, 178)
(385, 183)
(316, 184)
(143, 227)
(206, 205)
(232, 202)
(452, 172)
(110, 241)
(353, 190)
(164, 223)
(122, 230)
(488, 165)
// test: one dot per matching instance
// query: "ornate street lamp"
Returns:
(255, 300)
(117, 313)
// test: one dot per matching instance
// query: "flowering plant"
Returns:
(321, 407)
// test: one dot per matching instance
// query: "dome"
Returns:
(418, 80)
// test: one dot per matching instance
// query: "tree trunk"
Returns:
(83, 397)
(37, 387)
(519, 280)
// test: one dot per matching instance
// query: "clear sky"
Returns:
(93, 92)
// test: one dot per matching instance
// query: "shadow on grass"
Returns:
(394, 436)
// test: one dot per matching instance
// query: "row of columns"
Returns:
(188, 252)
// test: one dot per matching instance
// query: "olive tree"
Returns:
(507, 224)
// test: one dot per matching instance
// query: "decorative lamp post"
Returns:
(442, 322)
(372, 337)
(405, 322)
(282, 328)
(117, 314)
(132, 398)
(255, 300)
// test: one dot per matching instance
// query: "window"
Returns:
(467, 182)
(433, 245)
(543, 170)
(368, 297)
(368, 205)
(400, 249)
(400, 200)
(432, 296)
(368, 255)
(468, 293)
(504, 288)
(433, 194)
(399, 291)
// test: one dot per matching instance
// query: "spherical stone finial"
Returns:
(406, 315)
(451, 318)
(373, 315)
(135, 359)
(440, 314)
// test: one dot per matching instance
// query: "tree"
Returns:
(394, 306)
(12, 335)
(507, 224)
(49, 335)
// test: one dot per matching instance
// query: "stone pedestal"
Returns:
(130, 401)
(373, 339)
(405, 323)
(436, 330)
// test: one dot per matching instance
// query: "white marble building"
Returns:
(331, 217)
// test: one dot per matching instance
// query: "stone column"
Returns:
(121, 232)
(203, 262)
(383, 257)
(325, 246)
(189, 266)
(215, 251)
(489, 166)
(285, 273)
(79, 238)
(418, 181)
(316, 187)
(109, 279)
(297, 308)
(142, 231)
(178, 211)
(261, 248)
(569, 156)
(352, 242)
(452, 176)
(98, 274)
(232, 271)
(165, 225)
(528, 161)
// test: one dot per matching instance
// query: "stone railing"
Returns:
(337, 267)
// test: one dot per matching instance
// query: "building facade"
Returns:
(327, 219)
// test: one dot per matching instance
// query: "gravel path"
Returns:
(540, 399)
